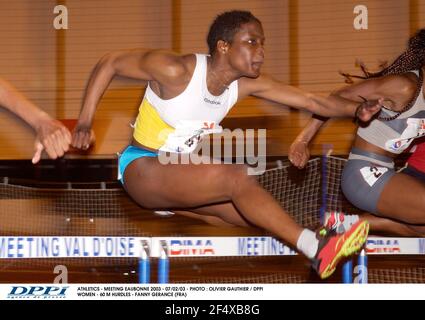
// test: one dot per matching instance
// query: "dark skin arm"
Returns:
(332, 106)
(299, 152)
(395, 92)
(166, 71)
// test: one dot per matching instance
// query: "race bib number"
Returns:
(372, 174)
(188, 134)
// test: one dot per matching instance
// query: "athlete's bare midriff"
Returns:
(362, 144)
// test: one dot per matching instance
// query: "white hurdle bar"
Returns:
(27, 247)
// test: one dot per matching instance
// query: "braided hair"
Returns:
(412, 59)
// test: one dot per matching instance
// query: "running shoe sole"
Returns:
(353, 243)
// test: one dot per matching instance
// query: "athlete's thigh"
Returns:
(225, 211)
(211, 220)
(362, 183)
(155, 185)
(221, 215)
(403, 198)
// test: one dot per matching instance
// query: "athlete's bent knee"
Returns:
(241, 179)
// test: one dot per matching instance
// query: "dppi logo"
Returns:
(43, 292)
(382, 246)
(191, 248)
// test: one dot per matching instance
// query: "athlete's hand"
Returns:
(368, 108)
(82, 137)
(299, 153)
(53, 137)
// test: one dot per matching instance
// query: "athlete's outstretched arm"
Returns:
(394, 90)
(299, 152)
(332, 106)
(151, 65)
(52, 135)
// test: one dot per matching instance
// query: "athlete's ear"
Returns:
(222, 46)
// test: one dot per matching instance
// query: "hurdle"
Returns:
(166, 248)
